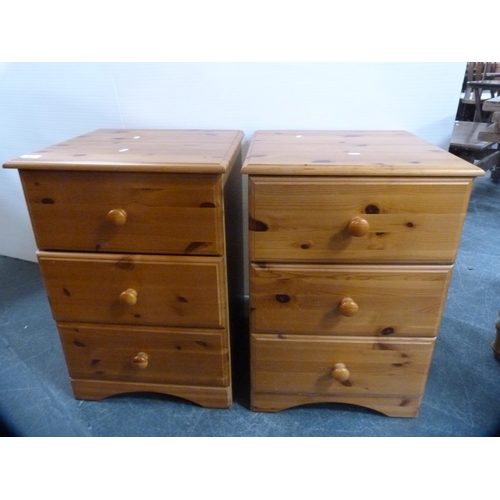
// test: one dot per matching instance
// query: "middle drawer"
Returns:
(136, 289)
(348, 300)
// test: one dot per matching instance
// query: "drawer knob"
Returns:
(117, 216)
(348, 307)
(128, 297)
(358, 227)
(340, 372)
(141, 360)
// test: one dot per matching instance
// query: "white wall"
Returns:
(45, 103)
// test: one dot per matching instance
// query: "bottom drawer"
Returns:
(312, 366)
(145, 355)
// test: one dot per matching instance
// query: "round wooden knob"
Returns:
(358, 227)
(141, 360)
(340, 372)
(117, 216)
(128, 297)
(348, 307)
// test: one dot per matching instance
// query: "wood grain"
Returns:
(139, 150)
(352, 238)
(209, 397)
(165, 213)
(352, 153)
(131, 231)
(391, 300)
(406, 407)
(179, 357)
(171, 291)
(301, 366)
(299, 218)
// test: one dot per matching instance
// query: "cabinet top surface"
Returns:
(350, 153)
(148, 150)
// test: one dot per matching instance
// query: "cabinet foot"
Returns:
(209, 397)
(391, 407)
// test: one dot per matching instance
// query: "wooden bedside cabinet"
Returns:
(130, 227)
(352, 240)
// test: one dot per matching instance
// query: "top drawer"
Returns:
(157, 213)
(356, 220)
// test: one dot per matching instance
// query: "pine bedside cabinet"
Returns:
(130, 229)
(352, 240)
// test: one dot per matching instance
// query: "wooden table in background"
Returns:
(492, 133)
(478, 86)
(468, 142)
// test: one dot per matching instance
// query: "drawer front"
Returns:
(173, 291)
(356, 220)
(348, 300)
(138, 354)
(310, 365)
(126, 212)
